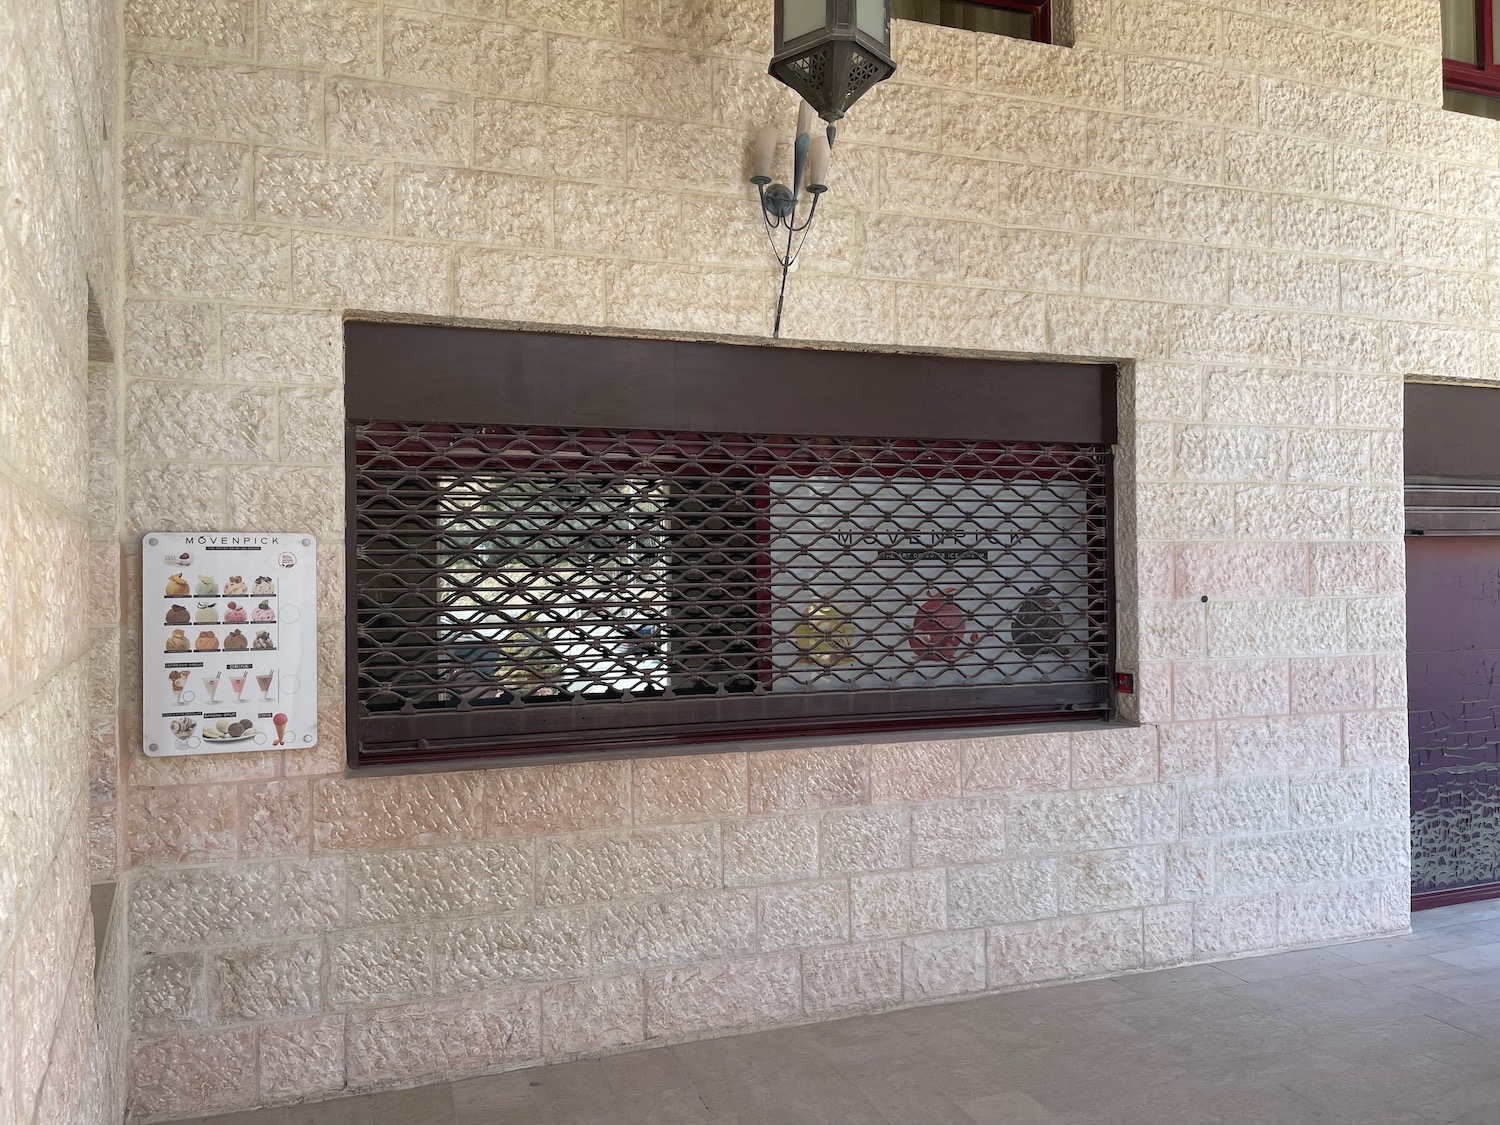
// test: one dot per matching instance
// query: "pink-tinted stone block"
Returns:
(1332, 683)
(789, 780)
(1056, 948)
(389, 812)
(302, 1058)
(539, 800)
(1280, 744)
(935, 965)
(851, 977)
(1007, 763)
(444, 1039)
(747, 993)
(590, 1015)
(683, 789)
(275, 819)
(914, 771)
(1188, 749)
(181, 824)
(188, 1075)
(1168, 933)
(1242, 570)
(1125, 756)
(1227, 689)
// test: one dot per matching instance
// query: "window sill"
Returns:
(924, 734)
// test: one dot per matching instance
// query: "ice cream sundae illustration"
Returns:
(206, 614)
(263, 613)
(235, 586)
(235, 642)
(208, 641)
(237, 681)
(264, 587)
(178, 642)
(278, 720)
(207, 587)
(212, 684)
(262, 641)
(184, 727)
(825, 634)
(936, 632)
(177, 586)
(178, 615)
(263, 681)
(178, 677)
(234, 614)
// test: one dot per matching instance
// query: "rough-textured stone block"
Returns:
(281, 346)
(541, 288)
(443, 1039)
(1093, 882)
(730, 994)
(307, 189)
(182, 824)
(336, 35)
(674, 297)
(1114, 757)
(670, 930)
(197, 906)
(375, 812)
(411, 886)
(262, 982)
(1019, 891)
(1375, 737)
(171, 340)
(176, 176)
(1327, 914)
(167, 993)
(164, 421)
(312, 425)
(1273, 628)
(851, 978)
(960, 316)
(1087, 820)
(192, 1074)
(1272, 862)
(1235, 925)
(511, 949)
(462, 54)
(1330, 799)
(366, 273)
(934, 965)
(914, 771)
(458, 205)
(1278, 744)
(954, 832)
(1015, 762)
(539, 800)
(803, 914)
(367, 967)
(896, 904)
(617, 865)
(1010, 129)
(688, 788)
(212, 27)
(381, 119)
(179, 258)
(302, 1058)
(1234, 807)
(791, 780)
(543, 140)
(312, 894)
(769, 849)
(1056, 948)
(275, 819)
(236, 103)
(1171, 271)
(622, 78)
(864, 840)
(1228, 688)
(591, 1015)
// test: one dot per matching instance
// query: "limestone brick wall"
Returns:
(1258, 206)
(60, 1053)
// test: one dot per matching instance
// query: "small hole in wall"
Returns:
(100, 349)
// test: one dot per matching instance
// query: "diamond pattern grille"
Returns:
(532, 588)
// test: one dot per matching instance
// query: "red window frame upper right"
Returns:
(1484, 78)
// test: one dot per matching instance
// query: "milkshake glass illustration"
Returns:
(263, 681)
(237, 685)
(212, 684)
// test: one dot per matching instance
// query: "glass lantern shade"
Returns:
(832, 51)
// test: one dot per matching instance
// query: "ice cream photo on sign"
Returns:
(263, 681)
(212, 684)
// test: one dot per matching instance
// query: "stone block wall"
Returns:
(1258, 207)
(60, 1052)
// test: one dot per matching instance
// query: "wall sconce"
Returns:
(832, 51)
(784, 208)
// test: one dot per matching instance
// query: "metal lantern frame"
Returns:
(834, 64)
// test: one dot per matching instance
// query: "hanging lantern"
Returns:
(832, 51)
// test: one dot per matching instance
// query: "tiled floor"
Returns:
(1400, 1031)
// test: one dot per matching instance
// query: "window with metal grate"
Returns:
(523, 589)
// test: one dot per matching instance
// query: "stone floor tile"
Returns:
(1476, 957)
(1189, 978)
(1275, 966)
(1009, 1108)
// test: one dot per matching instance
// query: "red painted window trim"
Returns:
(1484, 78)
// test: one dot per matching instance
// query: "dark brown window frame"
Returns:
(1040, 12)
(432, 375)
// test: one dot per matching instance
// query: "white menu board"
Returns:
(229, 638)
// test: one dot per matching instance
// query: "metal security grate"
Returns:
(522, 589)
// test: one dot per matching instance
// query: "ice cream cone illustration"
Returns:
(278, 720)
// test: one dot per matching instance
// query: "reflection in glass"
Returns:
(1461, 30)
(1478, 104)
(969, 17)
(801, 17)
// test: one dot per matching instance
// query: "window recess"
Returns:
(520, 588)
(1020, 19)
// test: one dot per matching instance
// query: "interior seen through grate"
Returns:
(521, 588)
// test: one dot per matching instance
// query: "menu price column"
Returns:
(229, 640)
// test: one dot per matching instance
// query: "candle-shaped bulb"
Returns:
(765, 151)
(805, 118)
(817, 163)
